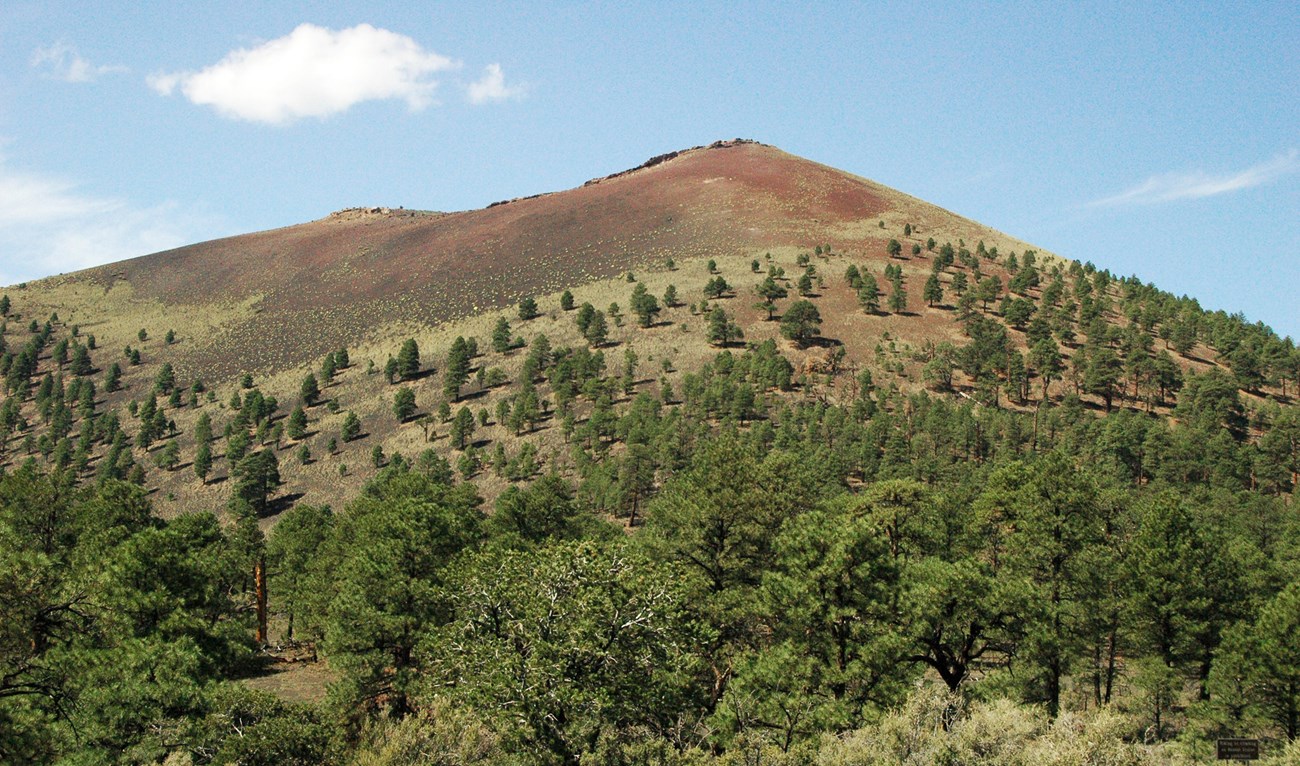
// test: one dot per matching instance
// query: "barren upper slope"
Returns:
(309, 288)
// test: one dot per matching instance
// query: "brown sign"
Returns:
(1236, 749)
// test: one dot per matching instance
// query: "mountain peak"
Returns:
(311, 287)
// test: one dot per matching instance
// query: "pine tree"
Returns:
(770, 291)
(408, 360)
(501, 334)
(566, 301)
(203, 462)
(258, 476)
(597, 331)
(644, 305)
(898, 297)
(297, 425)
(584, 316)
(113, 379)
(933, 291)
(351, 427)
(528, 308)
(404, 404)
(457, 372)
(869, 293)
(801, 322)
(722, 330)
(309, 392)
(462, 427)
(716, 287)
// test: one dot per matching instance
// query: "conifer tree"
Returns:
(309, 392)
(408, 360)
(933, 291)
(462, 427)
(801, 322)
(404, 404)
(351, 427)
(898, 297)
(869, 293)
(203, 461)
(297, 424)
(457, 371)
(501, 335)
(644, 305)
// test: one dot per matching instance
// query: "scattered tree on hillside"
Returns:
(351, 427)
(408, 360)
(933, 291)
(769, 291)
(801, 322)
(869, 293)
(309, 392)
(456, 372)
(404, 404)
(722, 330)
(644, 305)
(898, 297)
(501, 336)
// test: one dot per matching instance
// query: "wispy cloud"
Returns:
(61, 61)
(312, 72)
(491, 87)
(48, 226)
(1196, 185)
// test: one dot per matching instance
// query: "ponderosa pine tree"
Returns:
(456, 373)
(801, 322)
(408, 360)
(462, 427)
(869, 293)
(351, 427)
(501, 336)
(933, 291)
(898, 297)
(296, 426)
(203, 462)
(769, 291)
(309, 392)
(404, 404)
(722, 330)
(644, 305)
(258, 475)
(597, 330)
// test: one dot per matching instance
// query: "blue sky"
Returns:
(1153, 140)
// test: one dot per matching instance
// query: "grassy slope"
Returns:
(236, 308)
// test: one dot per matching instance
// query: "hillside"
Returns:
(266, 308)
(710, 458)
(261, 302)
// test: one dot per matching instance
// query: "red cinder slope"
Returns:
(322, 282)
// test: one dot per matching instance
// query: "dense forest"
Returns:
(767, 563)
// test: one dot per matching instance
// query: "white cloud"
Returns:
(62, 62)
(1196, 185)
(48, 227)
(492, 87)
(312, 72)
